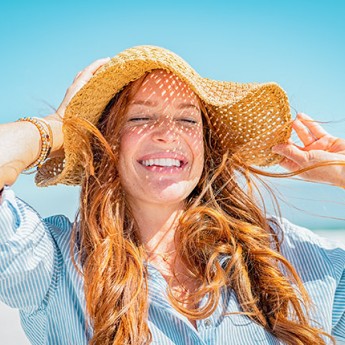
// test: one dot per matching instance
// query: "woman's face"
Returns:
(161, 146)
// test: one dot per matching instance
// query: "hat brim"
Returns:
(245, 115)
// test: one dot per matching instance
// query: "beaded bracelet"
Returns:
(49, 129)
(46, 142)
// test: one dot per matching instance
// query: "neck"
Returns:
(157, 224)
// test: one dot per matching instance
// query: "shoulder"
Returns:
(59, 222)
(311, 253)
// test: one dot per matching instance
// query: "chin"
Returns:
(171, 195)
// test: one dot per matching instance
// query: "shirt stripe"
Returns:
(38, 278)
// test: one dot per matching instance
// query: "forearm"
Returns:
(56, 126)
(20, 144)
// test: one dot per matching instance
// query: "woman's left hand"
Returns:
(319, 146)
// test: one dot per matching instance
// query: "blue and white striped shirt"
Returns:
(38, 277)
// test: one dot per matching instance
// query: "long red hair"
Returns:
(221, 219)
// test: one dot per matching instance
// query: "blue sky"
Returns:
(299, 44)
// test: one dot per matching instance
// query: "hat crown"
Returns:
(244, 116)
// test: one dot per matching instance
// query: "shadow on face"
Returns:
(161, 146)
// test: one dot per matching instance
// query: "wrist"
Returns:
(55, 123)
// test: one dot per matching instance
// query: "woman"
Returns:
(170, 245)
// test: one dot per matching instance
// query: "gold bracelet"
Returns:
(46, 142)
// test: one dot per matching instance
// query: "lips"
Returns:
(164, 156)
(163, 161)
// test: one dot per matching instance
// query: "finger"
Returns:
(90, 70)
(292, 152)
(77, 76)
(316, 130)
(290, 141)
(303, 132)
(289, 165)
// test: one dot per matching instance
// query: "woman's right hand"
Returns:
(56, 119)
(20, 141)
(79, 81)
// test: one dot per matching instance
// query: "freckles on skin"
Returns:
(161, 144)
(142, 141)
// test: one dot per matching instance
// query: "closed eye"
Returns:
(190, 121)
(186, 120)
(137, 119)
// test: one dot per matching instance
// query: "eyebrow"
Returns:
(154, 104)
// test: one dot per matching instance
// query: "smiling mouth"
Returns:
(163, 163)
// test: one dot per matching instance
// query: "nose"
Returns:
(165, 131)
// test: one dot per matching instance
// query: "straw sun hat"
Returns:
(246, 116)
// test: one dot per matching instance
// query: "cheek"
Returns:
(126, 154)
(195, 140)
(128, 142)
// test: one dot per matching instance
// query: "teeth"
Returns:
(164, 162)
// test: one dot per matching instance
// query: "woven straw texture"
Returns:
(245, 115)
